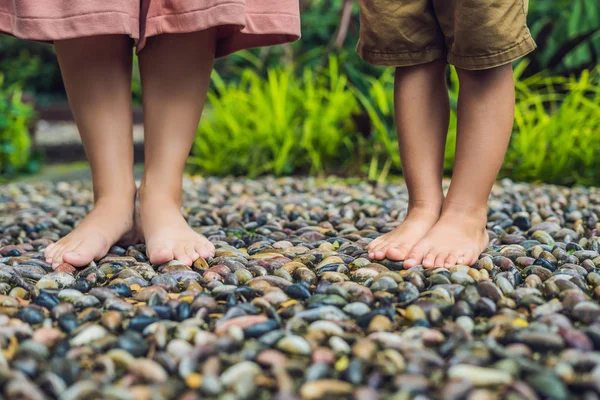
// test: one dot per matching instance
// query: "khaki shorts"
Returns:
(470, 34)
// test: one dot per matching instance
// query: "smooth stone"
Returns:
(240, 322)
(32, 315)
(294, 345)
(480, 376)
(69, 295)
(86, 301)
(328, 327)
(55, 280)
(148, 370)
(67, 322)
(325, 388)
(240, 371)
(356, 309)
(88, 335)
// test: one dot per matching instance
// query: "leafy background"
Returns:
(313, 107)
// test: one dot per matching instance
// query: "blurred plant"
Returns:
(557, 130)
(567, 33)
(280, 125)
(136, 82)
(32, 65)
(556, 136)
(15, 143)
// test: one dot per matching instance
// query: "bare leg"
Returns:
(485, 118)
(422, 113)
(97, 75)
(175, 71)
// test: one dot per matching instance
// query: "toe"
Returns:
(416, 255)
(180, 255)
(205, 248)
(450, 260)
(52, 251)
(191, 252)
(374, 243)
(57, 255)
(397, 253)
(49, 251)
(378, 251)
(440, 260)
(469, 257)
(78, 257)
(160, 256)
(429, 260)
(382, 245)
(202, 250)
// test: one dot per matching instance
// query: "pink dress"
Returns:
(240, 24)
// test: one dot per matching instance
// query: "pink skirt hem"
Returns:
(238, 28)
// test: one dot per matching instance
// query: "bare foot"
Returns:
(167, 234)
(458, 237)
(110, 221)
(396, 244)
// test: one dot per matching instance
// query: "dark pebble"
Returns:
(139, 322)
(133, 343)
(32, 315)
(67, 322)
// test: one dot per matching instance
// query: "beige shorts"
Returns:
(470, 34)
(240, 24)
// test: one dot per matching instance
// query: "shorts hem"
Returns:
(400, 59)
(507, 56)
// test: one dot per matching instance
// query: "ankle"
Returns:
(433, 207)
(465, 210)
(159, 194)
(116, 200)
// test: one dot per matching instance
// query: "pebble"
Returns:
(88, 335)
(291, 307)
(480, 376)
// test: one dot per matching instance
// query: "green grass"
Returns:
(279, 125)
(15, 143)
(557, 130)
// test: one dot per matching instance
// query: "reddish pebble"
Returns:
(47, 336)
(243, 322)
(323, 355)
(271, 358)
(65, 267)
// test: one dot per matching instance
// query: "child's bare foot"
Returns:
(166, 233)
(396, 244)
(458, 237)
(111, 220)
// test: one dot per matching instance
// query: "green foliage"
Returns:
(31, 65)
(556, 136)
(136, 82)
(568, 36)
(557, 130)
(15, 144)
(280, 125)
